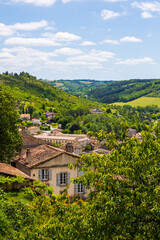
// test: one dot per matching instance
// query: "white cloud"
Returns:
(49, 40)
(130, 39)
(29, 26)
(8, 30)
(30, 42)
(5, 31)
(137, 61)
(94, 56)
(109, 41)
(40, 3)
(146, 15)
(88, 43)
(147, 6)
(67, 51)
(65, 37)
(107, 14)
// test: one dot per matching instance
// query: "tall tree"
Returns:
(10, 139)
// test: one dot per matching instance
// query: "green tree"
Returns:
(10, 139)
(126, 202)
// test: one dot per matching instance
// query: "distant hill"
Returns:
(78, 87)
(39, 96)
(125, 91)
(111, 91)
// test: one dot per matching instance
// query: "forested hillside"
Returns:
(74, 113)
(125, 91)
(111, 91)
(77, 87)
(33, 95)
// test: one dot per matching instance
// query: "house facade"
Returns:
(50, 165)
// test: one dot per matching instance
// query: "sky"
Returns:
(81, 39)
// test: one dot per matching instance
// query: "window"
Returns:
(63, 179)
(80, 188)
(45, 174)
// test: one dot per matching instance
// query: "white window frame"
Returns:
(80, 188)
(63, 178)
(45, 174)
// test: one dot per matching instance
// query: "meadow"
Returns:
(142, 102)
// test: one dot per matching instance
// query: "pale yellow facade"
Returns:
(59, 165)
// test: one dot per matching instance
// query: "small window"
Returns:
(63, 178)
(44, 174)
(80, 188)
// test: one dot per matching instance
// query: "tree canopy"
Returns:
(10, 139)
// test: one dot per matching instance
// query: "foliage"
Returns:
(125, 204)
(10, 139)
(9, 180)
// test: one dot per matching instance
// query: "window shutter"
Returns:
(40, 174)
(80, 173)
(58, 179)
(50, 174)
(68, 178)
(76, 188)
(85, 189)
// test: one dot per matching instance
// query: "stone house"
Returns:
(50, 165)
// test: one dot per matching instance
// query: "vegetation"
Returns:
(125, 204)
(142, 102)
(10, 139)
(77, 87)
(113, 91)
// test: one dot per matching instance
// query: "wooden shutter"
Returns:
(58, 179)
(80, 173)
(76, 188)
(50, 174)
(68, 178)
(85, 189)
(40, 174)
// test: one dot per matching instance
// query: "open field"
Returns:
(59, 84)
(142, 102)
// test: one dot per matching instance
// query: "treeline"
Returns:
(125, 91)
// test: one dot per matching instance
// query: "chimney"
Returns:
(28, 156)
(23, 129)
(20, 153)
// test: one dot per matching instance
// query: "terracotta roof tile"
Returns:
(9, 170)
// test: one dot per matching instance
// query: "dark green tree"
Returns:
(10, 139)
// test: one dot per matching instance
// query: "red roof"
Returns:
(11, 171)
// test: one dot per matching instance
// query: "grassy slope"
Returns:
(27, 90)
(142, 102)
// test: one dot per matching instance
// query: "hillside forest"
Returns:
(126, 182)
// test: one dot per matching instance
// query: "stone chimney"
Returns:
(28, 156)
(69, 147)
(20, 153)
(23, 129)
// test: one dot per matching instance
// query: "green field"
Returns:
(59, 84)
(142, 102)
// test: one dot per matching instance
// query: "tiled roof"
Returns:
(9, 170)
(31, 141)
(25, 115)
(39, 154)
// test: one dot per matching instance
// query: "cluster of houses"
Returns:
(38, 159)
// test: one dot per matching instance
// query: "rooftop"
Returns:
(12, 171)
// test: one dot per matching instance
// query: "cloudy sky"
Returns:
(87, 39)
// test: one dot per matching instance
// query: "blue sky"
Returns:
(81, 39)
